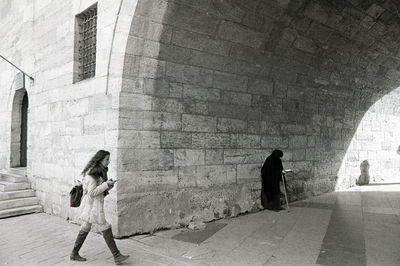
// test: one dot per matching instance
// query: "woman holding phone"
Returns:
(95, 188)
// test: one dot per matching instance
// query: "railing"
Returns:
(5, 59)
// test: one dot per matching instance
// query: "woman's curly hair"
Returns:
(96, 159)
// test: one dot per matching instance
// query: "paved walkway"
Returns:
(356, 227)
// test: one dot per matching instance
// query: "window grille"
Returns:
(87, 29)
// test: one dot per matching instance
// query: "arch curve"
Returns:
(19, 126)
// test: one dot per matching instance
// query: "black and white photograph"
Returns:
(200, 132)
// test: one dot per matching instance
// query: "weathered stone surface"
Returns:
(186, 157)
(211, 175)
(236, 98)
(192, 96)
(245, 141)
(239, 34)
(198, 123)
(161, 120)
(231, 125)
(200, 42)
(187, 176)
(209, 140)
(176, 139)
(229, 82)
(214, 156)
(201, 93)
(239, 156)
(146, 159)
(262, 87)
(248, 171)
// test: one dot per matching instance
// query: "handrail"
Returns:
(16, 67)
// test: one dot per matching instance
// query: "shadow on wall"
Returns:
(210, 90)
(374, 147)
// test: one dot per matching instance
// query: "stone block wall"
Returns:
(210, 88)
(67, 123)
(191, 96)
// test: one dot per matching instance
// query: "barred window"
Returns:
(85, 44)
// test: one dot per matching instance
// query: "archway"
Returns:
(373, 153)
(19, 129)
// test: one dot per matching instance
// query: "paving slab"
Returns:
(356, 227)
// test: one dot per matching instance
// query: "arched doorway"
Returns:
(19, 129)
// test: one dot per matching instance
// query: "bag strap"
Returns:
(77, 181)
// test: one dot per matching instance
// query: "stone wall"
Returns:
(191, 96)
(67, 123)
(211, 87)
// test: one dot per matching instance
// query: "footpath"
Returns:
(357, 227)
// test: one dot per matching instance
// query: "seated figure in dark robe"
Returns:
(271, 176)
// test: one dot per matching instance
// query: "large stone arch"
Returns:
(209, 88)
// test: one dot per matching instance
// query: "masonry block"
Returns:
(161, 120)
(245, 141)
(316, 12)
(248, 171)
(244, 156)
(297, 141)
(212, 175)
(198, 123)
(188, 157)
(274, 142)
(214, 156)
(146, 159)
(187, 176)
(236, 98)
(136, 102)
(210, 140)
(239, 34)
(176, 139)
(305, 45)
(201, 93)
(231, 125)
(139, 139)
(229, 82)
(200, 42)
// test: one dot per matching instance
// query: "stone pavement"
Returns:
(357, 227)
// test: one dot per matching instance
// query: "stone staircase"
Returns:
(16, 195)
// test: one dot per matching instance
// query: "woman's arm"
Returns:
(95, 190)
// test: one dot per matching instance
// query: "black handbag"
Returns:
(75, 196)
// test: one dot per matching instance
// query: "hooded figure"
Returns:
(271, 175)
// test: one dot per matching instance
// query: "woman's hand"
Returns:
(111, 182)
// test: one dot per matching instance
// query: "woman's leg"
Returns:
(85, 229)
(109, 238)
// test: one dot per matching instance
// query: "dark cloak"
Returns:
(271, 175)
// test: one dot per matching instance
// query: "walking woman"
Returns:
(271, 176)
(95, 187)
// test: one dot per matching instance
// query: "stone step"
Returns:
(18, 171)
(17, 194)
(16, 203)
(20, 210)
(10, 186)
(11, 177)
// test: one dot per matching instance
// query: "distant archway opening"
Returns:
(19, 129)
(373, 153)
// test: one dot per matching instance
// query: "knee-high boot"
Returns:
(109, 238)
(78, 244)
